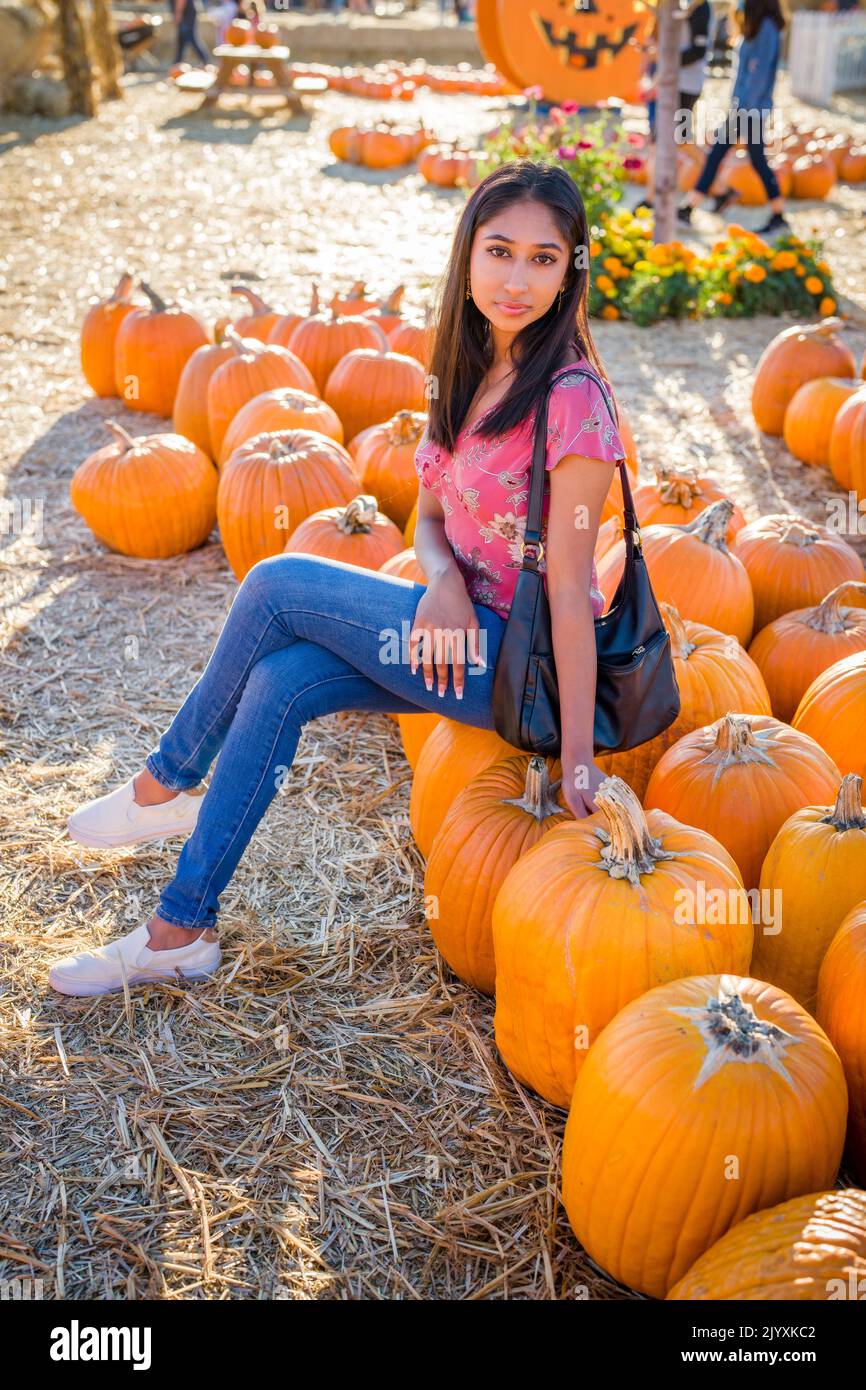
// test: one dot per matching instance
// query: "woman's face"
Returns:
(517, 266)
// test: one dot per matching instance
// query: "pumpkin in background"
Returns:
(811, 415)
(793, 563)
(253, 368)
(405, 566)
(813, 176)
(355, 302)
(614, 502)
(490, 43)
(152, 497)
(271, 484)
(452, 755)
(368, 386)
(677, 497)
(322, 340)
(189, 415)
(586, 55)
(692, 568)
(239, 32)
(847, 452)
(714, 675)
(682, 1121)
(413, 340)
(414, 731)
(286, 408)
(852, 168)
(842, 1014)
(794, 649)
(796, 355)
(833, 712)
(446, 166)
(284, 326)
(357, 440)
(817, 862)
(358, 534)
(152, 347)
(386, 459)
(806, 1250)
(498, 817)
(387, 316)
(267, 36)
(260, 319)
(739, 779)
(591, 918)
(98, 336)
(409, 528)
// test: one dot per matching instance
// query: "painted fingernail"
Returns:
(428, 682)
(459, 694)
(441, 691)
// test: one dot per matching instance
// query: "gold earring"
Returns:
(468, 291)
(559, 305)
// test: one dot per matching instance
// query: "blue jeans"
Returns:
(757, 154)
(304, 637)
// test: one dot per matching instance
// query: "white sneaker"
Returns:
(117, 819)
(102, 971)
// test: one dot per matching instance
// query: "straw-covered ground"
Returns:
(328, 1118)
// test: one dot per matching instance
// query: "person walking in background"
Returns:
(761, 23)
(186, 18)
(693, 54)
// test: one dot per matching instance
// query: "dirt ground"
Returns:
(330, 1119)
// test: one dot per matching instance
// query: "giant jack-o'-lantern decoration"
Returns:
(575, 50)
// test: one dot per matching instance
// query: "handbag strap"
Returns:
(532, 534)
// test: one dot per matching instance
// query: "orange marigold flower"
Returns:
(783, 260)
(823, 267)
(827, 306)
(724, 298)
(814, 285)
(594, 249)
(604, 283)
(800, 270)
(755, 273)
(610, 311)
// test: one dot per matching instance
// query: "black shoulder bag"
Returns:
(636, 692)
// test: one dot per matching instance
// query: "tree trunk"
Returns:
(107, 48)
(667, 101)
(77, 57)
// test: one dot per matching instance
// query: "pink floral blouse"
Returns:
(484, 487)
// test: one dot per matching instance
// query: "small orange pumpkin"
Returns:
(369, 385)
(323, 339)
(811, 415)
(833, 712)
(286, 408)
(847, 452)
(99, 333)
(253, 368)
(795, 648)
(189, 416)
(386, 458)
(450, 758)
(841, 1012)
(357, 534)
(796, 355)
(152, 347)
(792, 563)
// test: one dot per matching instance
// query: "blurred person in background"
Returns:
(185, 13)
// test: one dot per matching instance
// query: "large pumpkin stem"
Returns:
(314, 302)
(712, 524)
(848, 814)
(255, 301)
(679, 489)
(830, 616)
(677, 629)
(734, 1033)
(248, 347)
(736, 743)
(406, 427)
(630, 849)
(392, 304)
(827, 327)
(157, 303)
(123, 435)
(798, 533)
(359, 516)
(123, 291)
(539, 793)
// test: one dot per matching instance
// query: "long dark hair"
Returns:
(463, 349)
(754, 13)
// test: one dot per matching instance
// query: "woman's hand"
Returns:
(445, 630)
(581, 779)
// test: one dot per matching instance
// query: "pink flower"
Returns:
(567, 152)
(584, 144)
(632, 162)
(557, 117)
(636, 139)
(569, 107)
(534, 93)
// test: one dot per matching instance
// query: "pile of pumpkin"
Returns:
(710, 1063)
(387, 145)
(807, 164)
(394, 81)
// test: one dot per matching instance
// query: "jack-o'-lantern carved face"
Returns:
(579, 50)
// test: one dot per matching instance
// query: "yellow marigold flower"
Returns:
(666, 270)
(724, 298)
(827, 306)
(604, 283)
(620, 248)
(594, 249)
(755, 273)
(642, 266)
(814, 285)
(610, 311)
(783, 260)
(733, 277)
(611, 293)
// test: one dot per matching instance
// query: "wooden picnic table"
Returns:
(275, 60)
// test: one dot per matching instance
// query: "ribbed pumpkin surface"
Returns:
(842, 1013)
(450, 758)
(797, 647)
(793, 563)
(286, 408)
(355, 534)
(189, 416)
(367, 387)
(833, 712)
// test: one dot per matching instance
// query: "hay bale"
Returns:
(37, 96)
(27, 36)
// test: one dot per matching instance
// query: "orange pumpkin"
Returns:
(490, 43)
(387, 315)
(356, 301)
(501, 814)
(833, 712)
(271, 484)
(591, 918)
(574, 53)
(450, 758)
(793, 563)
(852, 168)
(386, 459)
(239, 32)
(98, 336)
(151, 349)
(817, 866)
(796, 355)
(405, 566)
(811, 415)
(739, 779)
(409, 528)
(841, 1011)
(286, 408)
(795, 648)
(284, 326)
(357, 534)
(368, 386)
(189, 416)
(414, 731)
(677, 497)
(714, 675)
(413, 340)
(813, 176)
(261, 318)
(152, 497)
(682, 1119)
(691, 567)
(253, 368)
(323, 340)
(847, 452)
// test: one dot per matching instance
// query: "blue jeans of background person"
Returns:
(724, 138)
(304, 637)
(187, 34)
